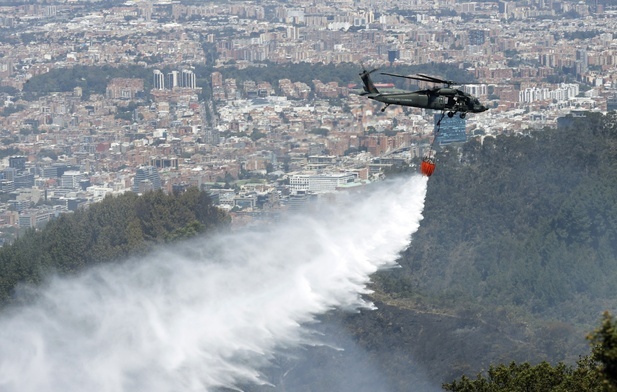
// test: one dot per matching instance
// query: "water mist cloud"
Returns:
(211, 312)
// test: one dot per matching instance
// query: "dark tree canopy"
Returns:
(528, 221)
(604, 351)
(92, 79)
(519, 233)
(115, 228)
(595, 373)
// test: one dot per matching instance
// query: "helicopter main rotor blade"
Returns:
(409, 77)
(424, 78)
(437, 80)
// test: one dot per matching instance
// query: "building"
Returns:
(9, 173)
(17, 162)
(571, 119)
(211, 136)
(188, 79)
(73, 204)
(25, 180)
(31, 218)
(452, 129)
(124, 88)
(7, 186)
(158, 80)
(393, 55)
(173, 79)
(163, 162)
(49, 172)
(146, 179)
(582, 61)
(477, 37)
(70, 179)
(300, 200)
(245, 201)
(611, 103)
(503, 8)
(319, 182)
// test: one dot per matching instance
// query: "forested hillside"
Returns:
(115, 228)
(520, 231)
(513, 264)
(515, 260)
(523, 222)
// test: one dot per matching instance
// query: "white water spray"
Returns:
(211, 312)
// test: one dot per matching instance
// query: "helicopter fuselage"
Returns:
(417, 100)
(439, 98)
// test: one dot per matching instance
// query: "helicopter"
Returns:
(444, 98)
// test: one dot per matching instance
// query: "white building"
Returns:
(70, 179)
(188, 79)
(158, 80)
(319, 182)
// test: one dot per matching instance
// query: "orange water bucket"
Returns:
(427, 167)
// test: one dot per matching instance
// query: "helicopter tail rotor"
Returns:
(365, 72)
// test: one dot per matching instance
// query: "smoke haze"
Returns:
(211, 312)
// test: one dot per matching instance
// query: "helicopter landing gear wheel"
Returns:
(450, 114)
(462, 115)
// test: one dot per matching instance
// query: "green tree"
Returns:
(594, 373)
(527, 378)
(604, 350)
(319, 131)
(256, 135)
(116, 227)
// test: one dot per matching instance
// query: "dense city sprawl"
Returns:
(106, 97)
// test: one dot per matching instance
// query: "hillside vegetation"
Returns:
(520, 233)
(514, 261)
(113, 229)
(522, 223)
(510, 270)
(594, 373)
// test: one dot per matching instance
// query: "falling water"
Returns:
(209, 312)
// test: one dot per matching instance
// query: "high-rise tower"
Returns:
(452, 129)
(188, 79)
(146, 179)
(158, 80)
